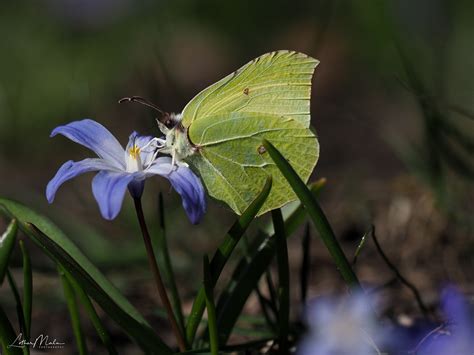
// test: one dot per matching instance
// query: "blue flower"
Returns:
(120, 169)
(340, 327)
(457, 337)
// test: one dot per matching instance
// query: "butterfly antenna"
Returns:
(142, 101)
(165, 118)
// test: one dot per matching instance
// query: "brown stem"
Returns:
(156, 274)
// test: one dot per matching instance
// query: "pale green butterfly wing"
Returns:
(234, 165)
(275, 83)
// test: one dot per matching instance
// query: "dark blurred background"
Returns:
(392, 104)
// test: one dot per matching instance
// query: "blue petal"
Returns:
(455, 307)
(96, 137)
(109, 190)
(71, 169)
(187, 184)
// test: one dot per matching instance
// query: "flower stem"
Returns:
(156, 274)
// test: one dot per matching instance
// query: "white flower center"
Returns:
(133, 159)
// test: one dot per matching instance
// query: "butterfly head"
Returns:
(177, 141)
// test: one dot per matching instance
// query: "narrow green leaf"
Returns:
(89, 307)
(305, 264)
(7, 242)
(74, 313)
(222, 255)
(272, 291)
(166, 267)
(316, 213)
(248, 272)
(7, 335)
(140, 332)
(60, 249)
(295, 214)
(232, 301)
(211, 308)
(27, 288)
(264, 305)
(264, 302)
(19, 308)
(359, 247)
(283, 280)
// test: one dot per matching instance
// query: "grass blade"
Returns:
(74, 313)
(283, 280)
(248, 272)
(19, 308)
(305, 264)
(222, 255)
(140, 332)
(316, 213)
(27, 288)
(89, 307)
(60, 249)
(232, 301)
(265, 306)
(7, 243)
(7, 335)
(165, 266)
(359, 248)
(211, 308)
(298, 215)
(273, 301)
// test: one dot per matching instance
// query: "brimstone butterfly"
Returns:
(220, 131)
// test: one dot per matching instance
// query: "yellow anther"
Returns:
(134, 152)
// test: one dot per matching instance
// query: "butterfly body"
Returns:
(220, 131)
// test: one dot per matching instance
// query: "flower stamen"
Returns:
(134, 152)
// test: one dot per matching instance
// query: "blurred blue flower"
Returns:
(343, 327)
(120, 169)
(457, 337)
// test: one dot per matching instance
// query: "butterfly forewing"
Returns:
(278, 83)
(268, 98)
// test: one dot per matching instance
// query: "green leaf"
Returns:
(248, 272)
(232, 301)
(166, 267)
(211, 308)
(89, 307)
(74, 313)
(222, 255)
(7, 242)
(317, 215)
(7, 335)
(61, 250)
(295, 214)
(27, 288)
(19, 308)
(305, 263)
(283, 280)
(359, 247)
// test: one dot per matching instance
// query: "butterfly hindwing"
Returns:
(268, 98)
(234, 165)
